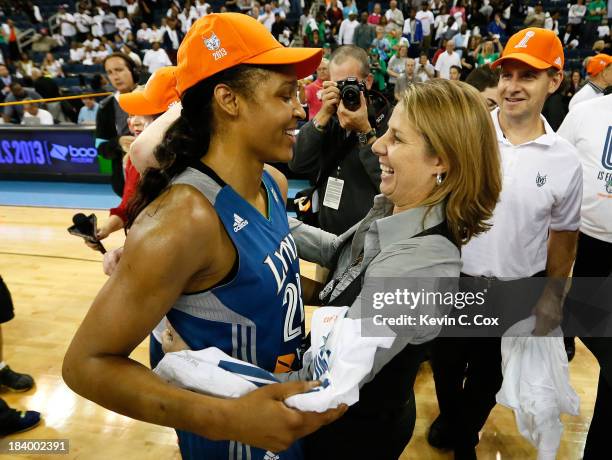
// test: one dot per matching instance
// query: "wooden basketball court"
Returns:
(54, 277)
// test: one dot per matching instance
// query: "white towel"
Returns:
(536, 385)
(339, 357)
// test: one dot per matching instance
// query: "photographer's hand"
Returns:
(356, 121)
(330, 99)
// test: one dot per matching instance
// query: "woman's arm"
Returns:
(313, 244)
(163, 251)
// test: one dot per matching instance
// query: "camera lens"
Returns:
(351, 97)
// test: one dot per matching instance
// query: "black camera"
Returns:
(350, 92)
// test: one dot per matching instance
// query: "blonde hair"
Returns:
(453, 119)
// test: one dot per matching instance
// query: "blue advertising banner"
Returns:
(49, 151)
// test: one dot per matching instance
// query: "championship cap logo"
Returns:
(526, 38)
(213, 43)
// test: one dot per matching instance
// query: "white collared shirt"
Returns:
(589, 128)
(541, 191)
(588, 91)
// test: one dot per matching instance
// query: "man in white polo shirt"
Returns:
(599, 68)
(589, 128)
(533, 233)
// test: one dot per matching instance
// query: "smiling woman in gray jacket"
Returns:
(440, 181)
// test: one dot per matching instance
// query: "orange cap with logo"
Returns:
(219, 41)
(598, 63)
(539, 48)
(158, 95)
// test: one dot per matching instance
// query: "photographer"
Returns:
(335, 147)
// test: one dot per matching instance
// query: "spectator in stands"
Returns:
(462, 40)
(67, 24)
(5, 81)
(552, 22)
(364, 33)
(77, 52)
(132, 9)
(111, 121)
(25, 65)
(43, 43)
(468, 58)
(10, 33)
(413, 32)
(52, 67)
(595, 13)
(144, 35)
(381, 43)
(451, 29)
(458, 12)
(423, 69)
(603, 31)
(446, 60)
(83, 22)
(397, 65)
(48, 88)
(92, 42)
(157, 34)
(156, 58)
(335, 17)
(374, 18)
(267, 17)
(575, 16)
(349, 7)
(313, 92)
(125, 49)
(109, 22)
(599, 68)
(537, 17)
(575, 84)
(172, 38)
(187, 16)
(378, 68)
(497, 27)
(33, 13)
(490, 51)
(338, 143)
(87, 114)
(202, 7)
(407, 77)
(441, 22)
(34, 115)
(455, 73)
(123, 24)
(427, 23)
(279, 25)
(395, 17)
(485, 80)
(346, 34)
(117, 5)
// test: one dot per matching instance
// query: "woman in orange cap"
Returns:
(210, 248)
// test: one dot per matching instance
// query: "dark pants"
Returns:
(594, 259)
(466, 406)
(380, 425)
(467, 371)
(6, 303)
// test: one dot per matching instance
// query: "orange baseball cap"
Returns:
(598, 63)
(539, 48)
(159, 93)
(222, 40)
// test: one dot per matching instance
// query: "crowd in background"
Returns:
(407, 41)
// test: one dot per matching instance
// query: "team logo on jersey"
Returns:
(540, 180)
(271, 456)
(606, 157)
(609, 185)
(239, 223)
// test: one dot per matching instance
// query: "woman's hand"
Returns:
(110, 261)
(262, 419)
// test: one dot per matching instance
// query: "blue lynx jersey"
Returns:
(256, 314)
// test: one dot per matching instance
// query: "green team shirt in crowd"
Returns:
(592, 8)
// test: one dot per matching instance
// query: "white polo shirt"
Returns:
(589, 128)
(588, 91)
(541, 191)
